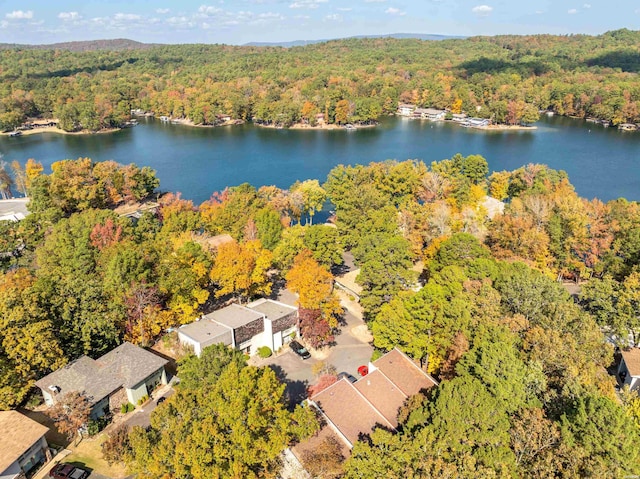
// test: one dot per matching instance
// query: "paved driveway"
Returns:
(347, 355)
(142, 417)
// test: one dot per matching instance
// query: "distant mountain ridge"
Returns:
(85, 46)
(119, 44)
(301, 43)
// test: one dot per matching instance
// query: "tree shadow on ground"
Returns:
(295, 391)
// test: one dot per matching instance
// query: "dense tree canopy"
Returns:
(506, 78)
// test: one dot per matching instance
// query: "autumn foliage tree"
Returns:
(70, 413)
(242, 269)
(319, 306)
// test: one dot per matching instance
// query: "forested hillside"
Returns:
(354, 80)
(524, 387)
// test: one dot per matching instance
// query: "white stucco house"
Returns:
(263, 322)
(125, 374)
(24, 445)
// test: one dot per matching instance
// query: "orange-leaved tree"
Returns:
(320, 308)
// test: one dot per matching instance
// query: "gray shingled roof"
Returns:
(125, 366)
(233, 316)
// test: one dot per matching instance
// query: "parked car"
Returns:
(67, 471)
(299, 349)
(347, 376)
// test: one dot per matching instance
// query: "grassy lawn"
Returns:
(89, 454)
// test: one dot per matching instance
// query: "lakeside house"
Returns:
(476, 122)
(24, 446)
(352, 410)
(458, 117)
(627, 127)
(629, 369)
(430, 114)
(406, 109)
(126, 374)
(263, 322)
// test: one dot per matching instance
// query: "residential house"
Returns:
(23, 445)
(493, 206)
(352, 411)
(126, 374)
(405, 109)
(459, 117)
(476, 122)
(14, 209)
(211, 243)
(261, 323)
(629, 369)
(429, 114)
(281, 321)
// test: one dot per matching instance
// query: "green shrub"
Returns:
(377, 353)
(93, 428)
(124, 409)
(130, 407)
(264, 352)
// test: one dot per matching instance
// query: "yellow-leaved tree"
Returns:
(319, 306)
(242, 269)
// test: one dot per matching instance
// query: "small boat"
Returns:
(164, 118)
(15, 133)
(350, 127)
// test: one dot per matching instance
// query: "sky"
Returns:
(243, 21)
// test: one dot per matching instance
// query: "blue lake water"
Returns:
(601, 162)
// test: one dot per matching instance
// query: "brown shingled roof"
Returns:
(19, 433)
(348, 410)
(404, 373)
(632, 359)
(355, 409)
(385, 396)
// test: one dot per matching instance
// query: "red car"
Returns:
(67, 471)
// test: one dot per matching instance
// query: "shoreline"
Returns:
(504, 128)
(295, 126)
(304, 126)
(188, 122)
(53, 129)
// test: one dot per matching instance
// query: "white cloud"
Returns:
(126, 17)
(572, 11)
(162, 11)
(374, 1)
(394, 11)
(71, 16)
(344, 9)
(20, 15)
(587, 6)
(209, 10)
(4, 24)
(482, 10)
(334, 17)
(307, 3)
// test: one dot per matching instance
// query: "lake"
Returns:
(601, 162)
